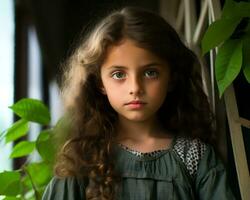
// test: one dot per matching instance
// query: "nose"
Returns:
(136, 86)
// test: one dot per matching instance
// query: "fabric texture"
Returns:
(189, 169)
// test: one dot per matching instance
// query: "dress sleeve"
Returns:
(64, 188)
(211, 180)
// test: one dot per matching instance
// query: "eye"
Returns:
(151, 73)
(118, 75)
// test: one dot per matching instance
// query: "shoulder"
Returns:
(191, 152)
(64, 188)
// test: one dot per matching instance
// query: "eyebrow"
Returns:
(143, 66)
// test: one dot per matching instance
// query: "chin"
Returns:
(136, 118)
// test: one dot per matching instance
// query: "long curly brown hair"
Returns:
(87, 152)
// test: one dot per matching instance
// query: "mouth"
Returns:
(136, 104)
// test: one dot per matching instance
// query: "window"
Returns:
(6, 77)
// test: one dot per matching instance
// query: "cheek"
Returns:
(158, 89)
(114, 99)
(113, 92)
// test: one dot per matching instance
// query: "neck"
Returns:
(138, 131)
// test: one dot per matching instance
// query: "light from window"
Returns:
(6, 77)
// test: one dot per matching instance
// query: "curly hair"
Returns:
(87, 152)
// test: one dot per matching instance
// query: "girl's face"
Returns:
(134, 80)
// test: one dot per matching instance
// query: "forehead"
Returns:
(127, 53)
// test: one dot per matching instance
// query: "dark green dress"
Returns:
(188, 170)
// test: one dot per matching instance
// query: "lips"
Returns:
(135, 102)
(135, 105)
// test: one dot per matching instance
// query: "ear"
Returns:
(103, 90)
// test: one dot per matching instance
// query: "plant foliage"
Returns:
(231, 34)
(28, 182)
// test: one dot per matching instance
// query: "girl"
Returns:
(140, 123)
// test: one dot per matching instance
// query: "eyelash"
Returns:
(155, 74)
(117, 73)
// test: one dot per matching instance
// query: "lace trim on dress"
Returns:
(190, 152)
(152, 154)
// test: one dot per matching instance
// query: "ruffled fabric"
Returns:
(180, 172)
(164, 176)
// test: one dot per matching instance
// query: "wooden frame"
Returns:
(193, 27)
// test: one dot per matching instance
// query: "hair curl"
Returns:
(185, 111)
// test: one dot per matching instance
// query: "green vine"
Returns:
(29, 181)
(37, 195)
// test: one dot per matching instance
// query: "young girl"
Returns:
(140, 123)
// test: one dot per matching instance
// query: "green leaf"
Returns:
(246, 71)
(242, 9)
(228, 63)
(218, 32)
(235, 9)
(41, 173)
(46, 146)
(247, 29)
(29, 191)
(10, 183)
(12, 198)
(17, 130)
(228, 9)
(246, 59)
(32, 110)
(22, 149)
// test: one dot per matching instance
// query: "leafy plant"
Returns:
(30, 180)
(231, 33)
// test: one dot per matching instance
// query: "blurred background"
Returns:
(37, 35)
